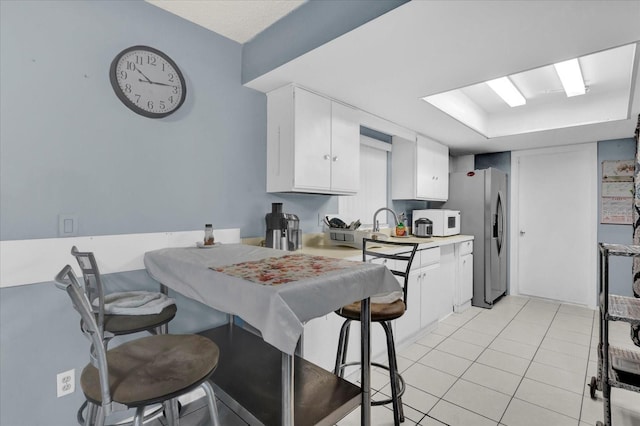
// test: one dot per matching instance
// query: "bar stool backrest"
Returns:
(401, 253)
(66, 280)
(92, 282)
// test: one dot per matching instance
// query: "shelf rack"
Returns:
(617, 367)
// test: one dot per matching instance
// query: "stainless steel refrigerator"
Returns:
(481, 197)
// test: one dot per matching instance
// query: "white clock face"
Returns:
(147, 81)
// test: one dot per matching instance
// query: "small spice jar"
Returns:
(208, 235)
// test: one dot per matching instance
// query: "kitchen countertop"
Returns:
(314, 244)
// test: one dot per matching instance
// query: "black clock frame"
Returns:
(125, 100)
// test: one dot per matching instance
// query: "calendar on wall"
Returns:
(616, 198)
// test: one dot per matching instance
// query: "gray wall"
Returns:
(620, 280)
(68, 145)
(65, 134)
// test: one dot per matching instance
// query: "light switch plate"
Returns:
(67, 225)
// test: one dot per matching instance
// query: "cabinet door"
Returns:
(409, 324)
(432, 170)
(424, 177)
(466, 278)
(345, 149)
(312, 135)
(430, 295)
(440, 168)
(320, 340)
(446, 281)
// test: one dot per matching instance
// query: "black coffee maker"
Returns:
(283, 229)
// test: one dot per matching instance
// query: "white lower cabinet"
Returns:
(429, 299)
(446, 283)
(409, 324)
(320, 340)
(440, 282)
(463, 289)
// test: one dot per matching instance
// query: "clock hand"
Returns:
(156, 83)
(162, 84)
(146, 78)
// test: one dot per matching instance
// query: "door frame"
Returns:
(592, 150)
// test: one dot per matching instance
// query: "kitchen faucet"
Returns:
(376, 225)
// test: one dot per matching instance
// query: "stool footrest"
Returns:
(386, 367)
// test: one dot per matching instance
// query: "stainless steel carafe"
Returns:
(283, 229)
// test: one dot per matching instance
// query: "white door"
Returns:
(554, 223)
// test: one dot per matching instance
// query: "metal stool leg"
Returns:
(396, 397)
(343, 345)
(90, 416)
(100, 416)
(171, 411)
(138, 419)
(211, 402)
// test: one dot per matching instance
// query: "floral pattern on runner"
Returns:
(280, 270)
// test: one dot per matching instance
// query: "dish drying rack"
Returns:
(338, 233)
(346, 237)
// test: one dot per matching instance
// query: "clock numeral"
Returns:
(170, 77)
(151, 60)
(137, 98)
(127, 88)
(131, 66)
(150, 104)
(123, 74)
(163, 64)
(170, 99)
(162, 106)
(139, 60)
(175, 90)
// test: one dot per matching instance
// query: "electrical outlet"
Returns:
(66, 383)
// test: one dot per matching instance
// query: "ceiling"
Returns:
(422, 48)
(239, 20)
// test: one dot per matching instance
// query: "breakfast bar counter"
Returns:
(275, 292)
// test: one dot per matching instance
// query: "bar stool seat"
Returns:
(379, 311)
(129, 324)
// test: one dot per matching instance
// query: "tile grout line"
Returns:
(531, 362)
(586, 373)
(473, 362)
(529, 366)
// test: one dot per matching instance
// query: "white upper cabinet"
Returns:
(312, 143)
(419, 169)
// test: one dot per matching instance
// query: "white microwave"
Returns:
(445, 222)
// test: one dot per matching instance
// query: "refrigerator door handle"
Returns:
(499, 223)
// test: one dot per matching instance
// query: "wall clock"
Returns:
(147, 81)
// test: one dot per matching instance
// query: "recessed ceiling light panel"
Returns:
(571, 77)
(507, 91)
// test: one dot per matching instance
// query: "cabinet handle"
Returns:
(326, 157)
(335, 158)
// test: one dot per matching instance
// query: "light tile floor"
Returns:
(526, 362)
